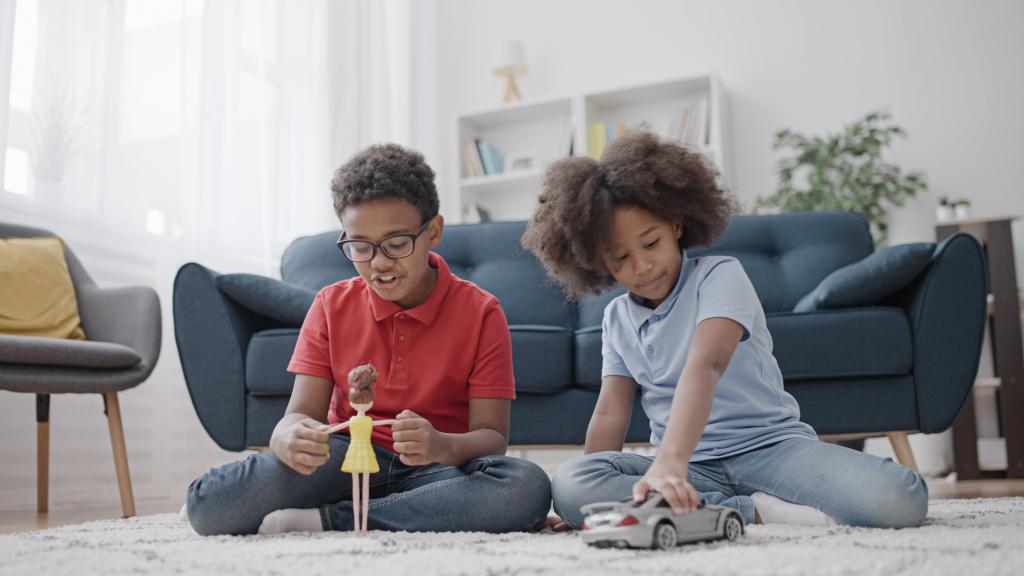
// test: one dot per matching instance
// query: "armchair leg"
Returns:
(901, 446)
(42, 453)
(124, 481)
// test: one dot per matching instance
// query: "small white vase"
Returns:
(962, 211)
(943, 213)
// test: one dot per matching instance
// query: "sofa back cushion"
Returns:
(787, 255)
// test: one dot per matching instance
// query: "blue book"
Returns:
(485, 158)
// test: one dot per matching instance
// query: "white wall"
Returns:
(950, 72)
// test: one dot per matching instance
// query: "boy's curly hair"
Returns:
(385, 171)
(571, 222)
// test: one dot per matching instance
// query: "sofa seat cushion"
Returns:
(266, 362)
(851, 342)
(542, 358)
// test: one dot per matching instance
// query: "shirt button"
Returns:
(650, 349)
(401, 338)
(401, 316)
(399, 359)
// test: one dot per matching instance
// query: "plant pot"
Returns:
(943, 213)
(48, 192)
(962, 211)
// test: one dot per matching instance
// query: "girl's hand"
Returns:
(668, 478)
(301, 445)
(416, 441)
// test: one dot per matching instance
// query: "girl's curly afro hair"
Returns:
(386, 171)
(571, 222)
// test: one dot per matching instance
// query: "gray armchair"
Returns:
(123, 330)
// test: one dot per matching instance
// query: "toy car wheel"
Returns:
(733, 528)
(664, 536)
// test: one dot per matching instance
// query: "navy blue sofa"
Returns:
(906, 363)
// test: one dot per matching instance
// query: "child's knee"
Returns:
(569, 486)
(904, 504)
(205, 514)
(534, 489)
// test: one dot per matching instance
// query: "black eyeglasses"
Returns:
(394, 247)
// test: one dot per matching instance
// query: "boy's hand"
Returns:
(668, 478)
(301, 445)
(416, 441)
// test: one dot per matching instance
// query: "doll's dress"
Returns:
(360, 456)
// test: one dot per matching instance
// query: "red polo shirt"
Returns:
(431, 359)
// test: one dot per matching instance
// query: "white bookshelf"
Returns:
(542, 128)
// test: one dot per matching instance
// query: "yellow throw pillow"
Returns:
(37, 297)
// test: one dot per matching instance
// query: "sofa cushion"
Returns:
(787, 255)
(284, 302)
(852, 342)
(37, 297)
(266, 362)
(868, 281)
(541, 358)
(588, 358)
(64, 352)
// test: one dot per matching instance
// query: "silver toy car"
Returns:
(651, 524)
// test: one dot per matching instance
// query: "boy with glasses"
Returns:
(443, 352)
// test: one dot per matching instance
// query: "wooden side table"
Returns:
(996, 237)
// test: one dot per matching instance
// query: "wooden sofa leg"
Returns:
(901, 446)
(42, 453)
(124, 481)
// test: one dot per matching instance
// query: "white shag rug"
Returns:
(961, 537)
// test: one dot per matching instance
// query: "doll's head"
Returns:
(360, 382)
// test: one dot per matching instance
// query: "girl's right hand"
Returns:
(668, 478)
(301, 445)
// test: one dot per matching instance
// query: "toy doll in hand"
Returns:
(360, 458)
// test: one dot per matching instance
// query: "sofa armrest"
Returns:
(212, 333)
(946, 307)
(129, 316)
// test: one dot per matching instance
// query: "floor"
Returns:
(22, 521)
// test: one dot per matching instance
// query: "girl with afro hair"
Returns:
(690, 333)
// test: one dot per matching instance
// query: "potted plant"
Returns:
(843, 171)
(944, 211)
(962, 209)
(60, 126)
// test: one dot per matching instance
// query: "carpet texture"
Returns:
(961, 537)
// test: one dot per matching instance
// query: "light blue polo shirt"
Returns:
(750, 407)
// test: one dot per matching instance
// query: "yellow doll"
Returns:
(360, 458)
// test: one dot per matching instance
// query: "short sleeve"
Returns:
(726, 292)
(612, 363)
(492, 375)
(312, 355)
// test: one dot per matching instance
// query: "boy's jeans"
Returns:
(488, 494)
(852, 487)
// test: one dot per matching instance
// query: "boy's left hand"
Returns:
(416, 441)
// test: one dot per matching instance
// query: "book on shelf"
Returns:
(600, 134)
(471, 163)
(490, 157)
(480, 158)
(597, 133)
(690, 125)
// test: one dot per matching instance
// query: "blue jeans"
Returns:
(488, 494)
(852, 487)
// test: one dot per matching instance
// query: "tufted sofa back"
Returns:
(556, 343)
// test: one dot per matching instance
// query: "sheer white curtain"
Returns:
(149, 133)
